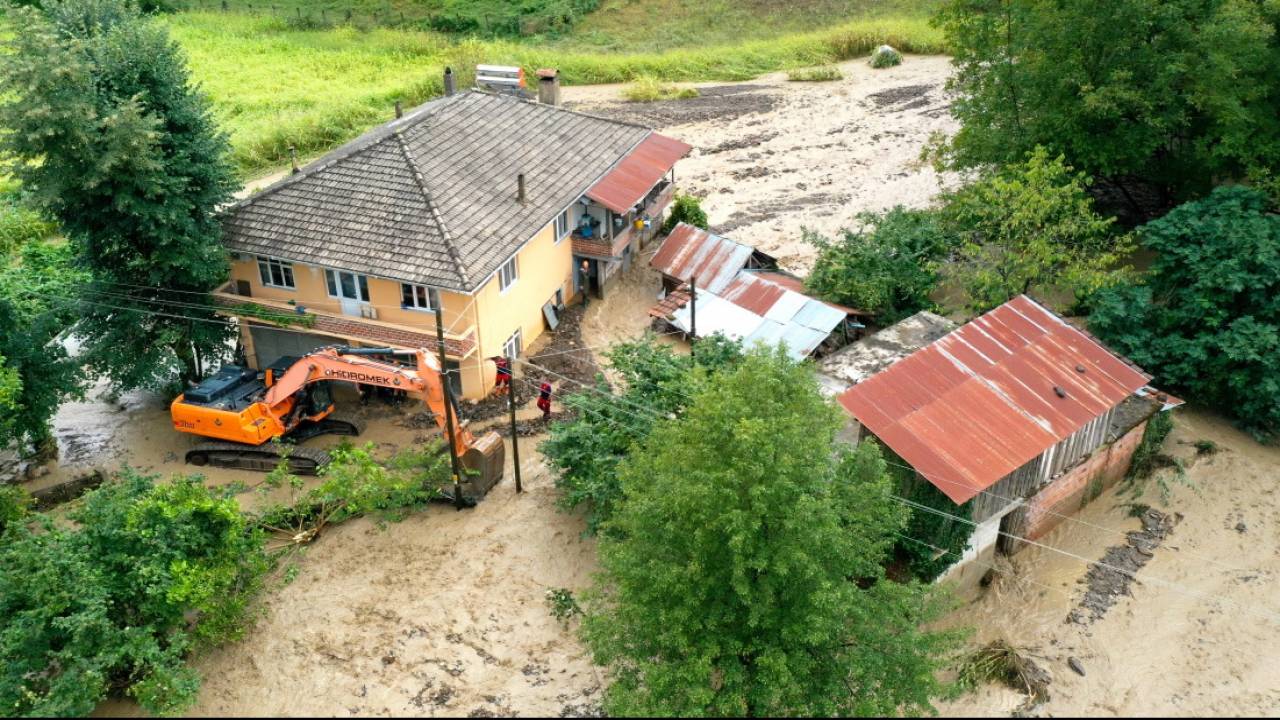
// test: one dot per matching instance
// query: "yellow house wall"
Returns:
(544, 266)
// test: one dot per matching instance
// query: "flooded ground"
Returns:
(1200, 633)
(772, 157)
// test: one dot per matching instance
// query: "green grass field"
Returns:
(273, 85)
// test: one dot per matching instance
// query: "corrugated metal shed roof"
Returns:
(626, 185)
(689, 252)
(980, 402)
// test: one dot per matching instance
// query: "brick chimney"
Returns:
(449, 89)
(549, 86)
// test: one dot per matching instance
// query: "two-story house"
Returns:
(482, 205)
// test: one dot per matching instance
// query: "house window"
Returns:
(275, 273)
(511, 348)
(419, 297)
(507, 275)
(562, 225)
(347, 285)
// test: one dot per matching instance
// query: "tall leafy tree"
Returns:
(608, 423)
(742, 570)
(1030, 225)
(110, 139)
(1206, 320)
(36, 374)
(1176, 93)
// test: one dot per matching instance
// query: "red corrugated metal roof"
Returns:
(747, 292)
(639, 171)
(690, 252)
(977, 404)
(796, 284)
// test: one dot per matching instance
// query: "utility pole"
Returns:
(693, 312)
(511, 405)
(448, 412)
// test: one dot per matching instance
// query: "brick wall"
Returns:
(1069, 493)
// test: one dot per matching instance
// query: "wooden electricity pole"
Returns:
(448, 411)
(511, 405)
(693, 312)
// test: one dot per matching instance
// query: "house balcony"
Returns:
(357, 330)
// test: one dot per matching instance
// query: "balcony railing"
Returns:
(360, 329)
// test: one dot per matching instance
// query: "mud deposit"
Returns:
(1111, 577)
(773, 157)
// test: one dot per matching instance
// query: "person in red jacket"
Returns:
(502, 381)
(544, 400)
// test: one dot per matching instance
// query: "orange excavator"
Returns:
(246, 410)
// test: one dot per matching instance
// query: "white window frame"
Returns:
(512, 347)
(417, 292)
(333, 285)
(508, 275)
(563, 226)
(266, 266)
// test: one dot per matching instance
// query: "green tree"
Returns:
(685, 209)
(109, 139)
(1177, 93)
(888, 269)
(1030, 225)
(742, 574)
(607, 424)
(36, 374)
(115, 602)
(1206, 319)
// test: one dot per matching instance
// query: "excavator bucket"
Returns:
(483, 465)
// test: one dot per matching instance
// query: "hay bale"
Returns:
(885, 56)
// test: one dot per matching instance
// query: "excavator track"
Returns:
(262, 458)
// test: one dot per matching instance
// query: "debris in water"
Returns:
(1241, 527)
(999, 661)
(1111, 577)
(1076, 666)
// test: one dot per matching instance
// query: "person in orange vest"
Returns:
(544, 400)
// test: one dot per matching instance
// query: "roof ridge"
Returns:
(435, 214)
(563, 109)
(353, 147)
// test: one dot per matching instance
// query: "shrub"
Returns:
(685, 209)
(888, 269)
(1205, 319)
(15, 505)
(647, 88)
(885, 56)
(148, 572)
(1031, 225)
(825, 73)
(562, 604)
(20, 225)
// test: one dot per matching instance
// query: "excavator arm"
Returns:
(236, 408)
(483, 456)
(354, 365)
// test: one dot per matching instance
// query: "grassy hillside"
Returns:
(657, 25)
(273, 85)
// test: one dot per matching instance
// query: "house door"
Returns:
(351, 290)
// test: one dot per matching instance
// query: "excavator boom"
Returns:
(237, 407)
